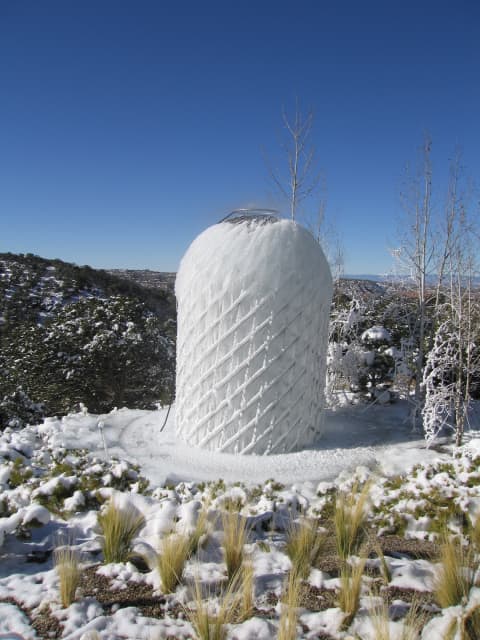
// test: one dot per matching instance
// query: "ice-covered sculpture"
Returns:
(253, 296)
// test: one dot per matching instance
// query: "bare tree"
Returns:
(418, 257)
(300, 179)
(457, 302)
(454, 358)
(303, 177)
(453, 204)
(443, 335)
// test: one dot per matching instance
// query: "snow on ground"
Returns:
(53, 476)
(354, 435)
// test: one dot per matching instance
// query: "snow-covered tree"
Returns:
(358, 359)
(450, 366)
(439, 382)
(454, 360)
(341, 363)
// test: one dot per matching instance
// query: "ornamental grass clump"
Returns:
(246, 591)
(67, 565)
(209, 618)
(119, 526)
(456, 573)
(235, 533)
(171, 560)
(414, 621)
(200, 531)
(305, 545)
(384, 568)
(287, 626)
(471, 624)
(350, 590)
(475, 534)
(412, 626)
(380, 619)
(349, 520)
(92, 634)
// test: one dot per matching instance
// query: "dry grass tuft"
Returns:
(171, 560)
(384, 568)
(119, 526)
(475, 534)
(210, 624)
(235, 533)
(456, 575)
(91, 635)
(451, 632)
(349, 520)
(247, 586)
(287, 627)
(471, 624)
(67, 565)
(200, 531)
(305, 545)
(350, 589)
(413, 622)
(465, 627)
(380, 618)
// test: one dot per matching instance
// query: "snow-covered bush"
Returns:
(358, 358)
(101, 353)
(17, 409)
(447, 375)
(438, 409)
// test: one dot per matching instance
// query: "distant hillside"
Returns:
(32, 287)
(355, 285)
(164, 280)
(362, 287)
(359, 288)
(72, 336)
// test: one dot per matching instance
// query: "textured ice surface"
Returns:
(253, 308)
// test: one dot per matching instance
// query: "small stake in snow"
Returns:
(100, 426)
(166, 418)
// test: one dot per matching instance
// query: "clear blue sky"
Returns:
(126, 128)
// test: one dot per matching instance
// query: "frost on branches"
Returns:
(359, 356)
(443, 383)
(438, 408)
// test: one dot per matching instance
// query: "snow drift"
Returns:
(253, 301)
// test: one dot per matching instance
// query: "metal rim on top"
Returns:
(261, 215)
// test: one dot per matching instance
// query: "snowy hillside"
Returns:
(72, 335)
(32, 287)
(147, 278)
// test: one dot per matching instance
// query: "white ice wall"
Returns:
(253, 307)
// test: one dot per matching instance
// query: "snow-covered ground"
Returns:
(52, 477)
(372, 436)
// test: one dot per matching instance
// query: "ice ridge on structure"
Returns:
(253, 308)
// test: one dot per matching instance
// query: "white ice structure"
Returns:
(253, 299)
